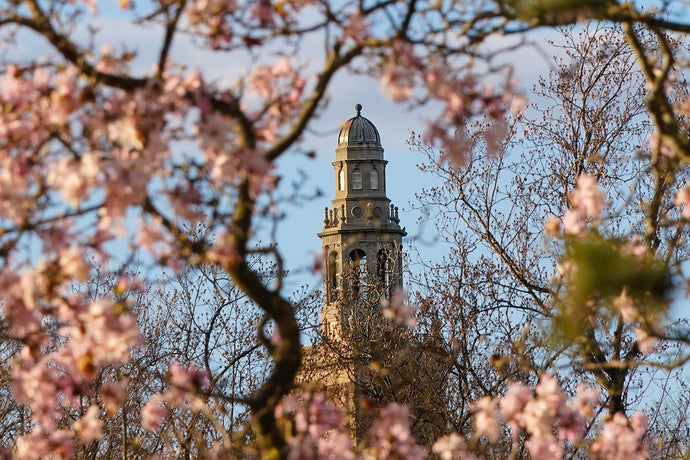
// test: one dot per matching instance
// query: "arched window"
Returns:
(341, 179)
(333, 270)
(384, 267)
(359, 272)
(374, 179)
(356, 179)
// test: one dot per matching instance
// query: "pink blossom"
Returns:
(390, 436)
(335, 445)
(191, 379)
(637, 246)
(544, 446)
(13, 85)
(113, 394)
(41, 78)
(99, 335)
(207, 17)
(657, 142)
(515, 399)
(39, 444)
(89, 428)
(587, 200)
(639, 423)
(683, 199)
(398, 309)
(587, 399)
(456, 145)
(153, 413)
(319, 428)
(452, 447)
(73, 265)
(263, 12)
(518, 104)
(625, 305)
(588, 196)
(540, 414)
(398, 72)
(486, 418)
(549, 390)
(573, 222)
(619, 441)
(645, 342)
(323, 416)
(571, 424)
(495, 135)
(355, 27)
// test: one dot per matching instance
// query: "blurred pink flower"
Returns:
(625, 305)
(619, 441)
(486, 418)
(588, 196)
(683, 199)
(398, 309)
(390, 436)
(89, 428)
(153, 413)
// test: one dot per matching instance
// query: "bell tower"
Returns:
(361, 237)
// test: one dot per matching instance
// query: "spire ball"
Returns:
(358, 108)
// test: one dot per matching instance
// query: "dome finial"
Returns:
(358, 108)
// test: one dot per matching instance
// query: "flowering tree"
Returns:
(563, 251)
(95, 156)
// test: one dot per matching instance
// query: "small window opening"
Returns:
(374, 179)
(356, 179)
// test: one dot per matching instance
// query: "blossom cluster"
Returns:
(398, 308)
(186, 388)
(579, 223)
(550, 420)
(66, 340)
(544, 413)
(587, 202)
(320, 431)
(462, 96)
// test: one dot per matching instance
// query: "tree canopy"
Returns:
(104, 150)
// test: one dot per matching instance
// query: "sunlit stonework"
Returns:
(362, 250)
(361, 237)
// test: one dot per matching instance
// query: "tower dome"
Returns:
(359, 130)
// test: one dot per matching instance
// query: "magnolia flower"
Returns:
(398, 309)
(588, 196)
(390, 436)
(587, 200)
(625, 305)
(486, 416)
(153, 413)
(683, 199)
(452, 447)
(89, 427)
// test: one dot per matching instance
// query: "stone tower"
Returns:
(361, 238)
(365, 361)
